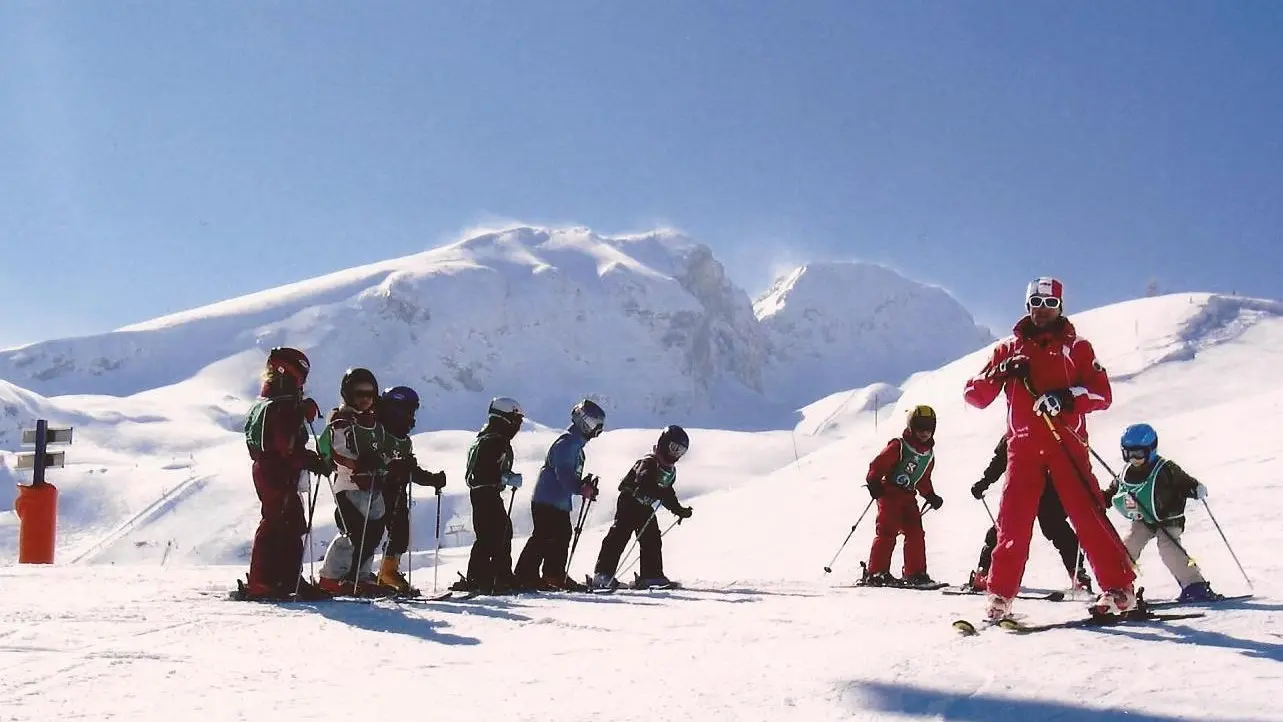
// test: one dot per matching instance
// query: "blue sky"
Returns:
(159, 156)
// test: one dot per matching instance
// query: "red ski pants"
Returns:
(1028, 460)
(898, 514)
(277, 552)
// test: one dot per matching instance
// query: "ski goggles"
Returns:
(1139, 453)
(1043, 302)
(675, 450)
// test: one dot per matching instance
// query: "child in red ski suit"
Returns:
(896, 475)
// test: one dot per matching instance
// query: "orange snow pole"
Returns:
(37, 509)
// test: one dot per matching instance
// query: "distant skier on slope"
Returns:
(648, 484)
(901, 470)
(1051, 380)
(1052, 520)
(489, 474)
(1152, 494)
(560, 478)
(395, 411)
(360, 447)
(276, 433)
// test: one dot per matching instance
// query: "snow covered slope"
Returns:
(765, 635)
(833, 326)
(649, 325)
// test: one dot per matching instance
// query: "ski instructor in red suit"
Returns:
(1050, 374)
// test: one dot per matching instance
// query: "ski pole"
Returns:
(636, 536)
(1227, 544)
(987, 511)
(436, 554)
(828, 569)
(409, 535)
(1189, 560)
(584, 506)
(311, 507)
(1091, 490)
(676, 522)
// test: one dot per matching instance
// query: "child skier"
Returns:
(394, 411)
(1152, 494)
(360, 449)
(902, 469)
(276, 432)
(489, 474)
(560, 479)
(648, 484)
(1051, 519)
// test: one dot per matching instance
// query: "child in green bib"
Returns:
(1151, 492)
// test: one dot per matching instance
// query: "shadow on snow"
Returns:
(953, 705)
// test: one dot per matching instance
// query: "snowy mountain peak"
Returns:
(880, 325)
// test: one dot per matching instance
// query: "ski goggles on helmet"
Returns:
(1139, 453)
(1043, 302)
(674, 450)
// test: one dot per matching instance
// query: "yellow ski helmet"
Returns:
(922, 418)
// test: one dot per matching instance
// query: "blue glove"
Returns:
(512, 479)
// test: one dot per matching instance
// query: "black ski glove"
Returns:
(368, 461)
(1014, 367)
(875, 489)
(683, 512)
(317, 464)
(934, 501)
(401, 470)
(979, 488)
(434, 479)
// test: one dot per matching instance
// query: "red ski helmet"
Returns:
(1045, 288)
(290, 362)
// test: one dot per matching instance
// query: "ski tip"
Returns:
(964, 626)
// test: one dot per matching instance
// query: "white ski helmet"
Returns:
(507, 409)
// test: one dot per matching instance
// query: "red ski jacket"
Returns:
(1058, 359)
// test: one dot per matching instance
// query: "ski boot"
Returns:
(657, 582)
(1082, 582)
(917, 580)
(1199, 592)
(390, 576)
(355, 588)
(978, 581)
(309, 592)
(1114, 601)
(603, 581)
(997, 608)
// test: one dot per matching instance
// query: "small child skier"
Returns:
(395, 412)
(900, 471)
(360, 449)
(560, 479)
(1152, 493)
(647, 485)
(489, 474)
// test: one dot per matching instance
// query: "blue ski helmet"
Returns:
(1138, 439)
(396, 409)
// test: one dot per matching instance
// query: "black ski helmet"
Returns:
(922, 418)
(396, 409)
(589, 418)
(286, 361)
(672, 445)
(354, 376)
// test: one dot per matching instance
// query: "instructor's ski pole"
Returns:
(436, 554)
(987, 511)
(1227, 545)
(828, 569)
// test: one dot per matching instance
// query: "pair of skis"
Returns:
(1016, 625)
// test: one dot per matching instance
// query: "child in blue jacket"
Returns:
(560, 479)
